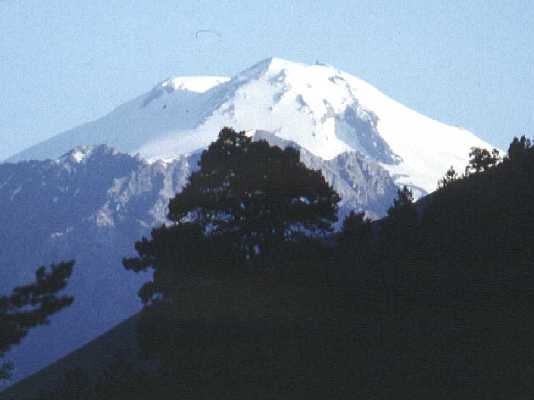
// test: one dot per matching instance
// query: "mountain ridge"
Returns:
(324, 110)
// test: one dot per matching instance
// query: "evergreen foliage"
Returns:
(475, 230)
(481, 160)
(450, 177)
(32, 305)
(257, 193)
(519, 149)
(247, 201)
(356, 226)
(402, 211)
(398, 228)
(434, 301)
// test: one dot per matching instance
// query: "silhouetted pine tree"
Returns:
(261, 195)
(481, 160)
(519, 148)
(246, 202)
(356, 252)
(31, 305)
(449, 177)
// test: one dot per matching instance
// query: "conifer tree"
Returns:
(481, 160)
(403, 209)
(519, 148)
(246, 200)
(449, 177)
(262, 194)
(32, 305)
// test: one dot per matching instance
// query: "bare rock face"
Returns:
(90, 205)
(363, 184)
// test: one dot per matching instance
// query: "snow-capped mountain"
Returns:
(322, 109)
(92, 191)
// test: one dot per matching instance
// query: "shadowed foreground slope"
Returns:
(435, 301)
(88, 360)
(258, 339)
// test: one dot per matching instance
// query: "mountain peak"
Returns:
(324, 110)
(273, 63)
(267, 67)
(78, 154)
(84, 153)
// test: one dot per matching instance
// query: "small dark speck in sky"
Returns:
(202, 32)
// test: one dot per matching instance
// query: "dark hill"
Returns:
(435, 301)
(87, 361)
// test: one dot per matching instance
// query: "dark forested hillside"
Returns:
(436, 300)
(93, 203)
(472, 235)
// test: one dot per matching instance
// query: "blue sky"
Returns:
(64, 62)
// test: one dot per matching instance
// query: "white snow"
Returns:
(302, 103)
(197, 84)
(79, 155)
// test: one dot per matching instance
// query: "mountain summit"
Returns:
(320, 108)
(94, 199)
